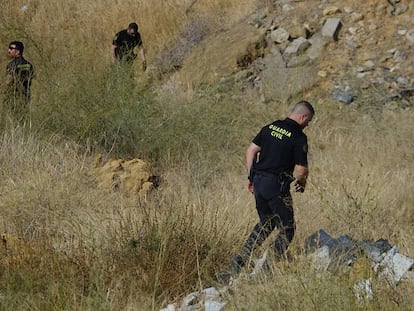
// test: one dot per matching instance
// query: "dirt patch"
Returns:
(131, 177)
(223, 54)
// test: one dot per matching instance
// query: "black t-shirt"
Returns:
(126, 44)
(22, 72)
(283, 145)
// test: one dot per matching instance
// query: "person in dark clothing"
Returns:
(19, 75)
(275, 158)
(124, 43)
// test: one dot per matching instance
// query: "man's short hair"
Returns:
(19, 45)
(133, 26)
(303, 104)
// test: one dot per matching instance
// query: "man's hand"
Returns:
(299, 187)
(250, 187)
(144, 65)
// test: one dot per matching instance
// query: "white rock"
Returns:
(297, 46)
(212, 305)
(394, 265)
(356, 17)
(372, 27)
(353, 31)
(369, 64)
(399, 56)
(363, 290)
(330, 10)
(331, 28)
(361, 75)
(279, 35)
(407, 276)
(170, 307)
(402, 80)
(322, 73)
(211, 292)
(286, 7)
(410, 35)
(392, 51)
(190, 299)
(395, 68)
(320, 257)
(401, 9)
(348, 10)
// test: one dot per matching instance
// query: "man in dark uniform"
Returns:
(124, 43)
(19, 74)
(276, 157)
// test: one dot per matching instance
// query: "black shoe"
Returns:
(236, 264)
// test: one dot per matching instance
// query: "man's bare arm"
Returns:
(251, 154)
(142, 53)
(301, 174)
(113, 48)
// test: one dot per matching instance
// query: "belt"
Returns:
(267, 174)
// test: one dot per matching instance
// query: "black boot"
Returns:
(235, 266)
(255, 239)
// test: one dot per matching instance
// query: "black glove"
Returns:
(298, 187)
(144, 65)
(285, 180)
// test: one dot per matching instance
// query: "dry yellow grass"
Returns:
(80, 29)
(110, 252)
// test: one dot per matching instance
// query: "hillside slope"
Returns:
(369, 56)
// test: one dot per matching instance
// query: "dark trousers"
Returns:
(274, 206)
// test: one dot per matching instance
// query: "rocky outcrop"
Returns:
(325, 254)
(207, 63)
(132, 177)
(351, 49)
